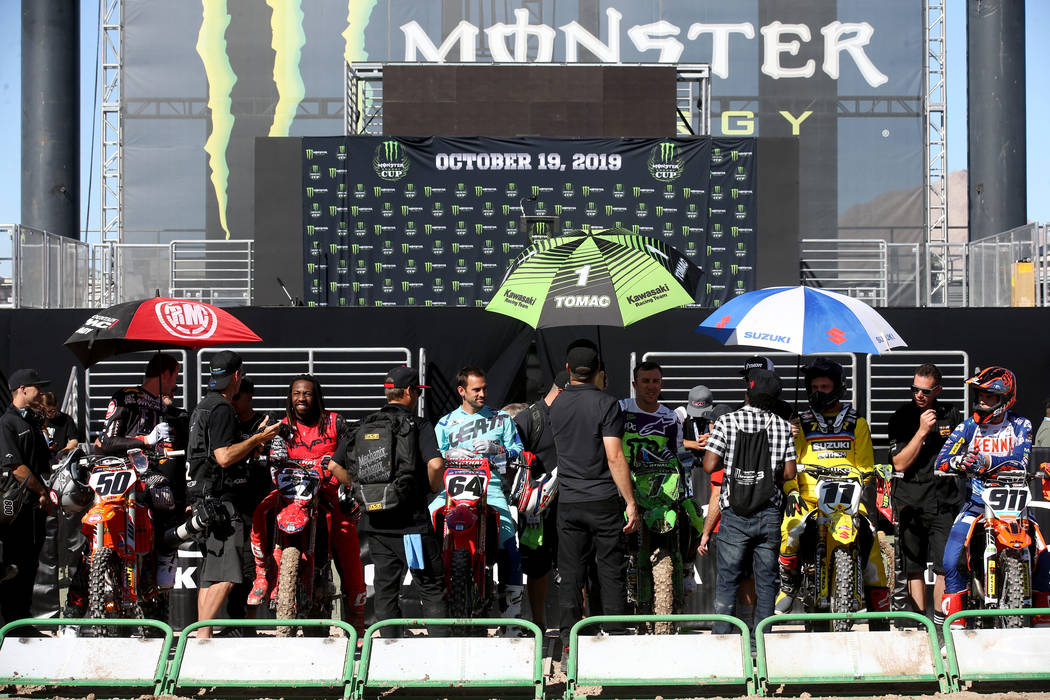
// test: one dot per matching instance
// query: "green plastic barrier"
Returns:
(765, 678)
(574, 680)
(1035, 639)
(153, 684)
(343, 684)
(533, 682)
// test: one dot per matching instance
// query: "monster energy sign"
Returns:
(435, 222)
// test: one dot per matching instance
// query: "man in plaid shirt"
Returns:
(755, 533)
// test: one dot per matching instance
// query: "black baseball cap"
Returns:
(762, 382)
(757, 362)
(25, 377)
(223, 366)
(402, 378)
(583, 361)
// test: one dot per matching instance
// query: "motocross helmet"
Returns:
(68, 488)
(994, 380)
(533, 496)
(823, 367)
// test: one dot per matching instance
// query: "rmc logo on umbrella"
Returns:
(187, 319)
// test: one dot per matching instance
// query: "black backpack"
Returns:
(383, 458)
(751, 481)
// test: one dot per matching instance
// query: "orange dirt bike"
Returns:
(121, 496)
(1002, 546)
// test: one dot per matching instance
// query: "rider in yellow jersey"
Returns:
(831, 434)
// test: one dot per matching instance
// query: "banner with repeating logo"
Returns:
(435, 221)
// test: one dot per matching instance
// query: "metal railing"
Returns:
(855, 266)
(992, 271)
(45, 270)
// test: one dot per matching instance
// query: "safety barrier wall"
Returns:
(624, 665)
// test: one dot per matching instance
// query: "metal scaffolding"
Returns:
(935, 152)
(111, 64)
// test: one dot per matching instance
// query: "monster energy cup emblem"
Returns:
(666, 162)
(390, 161)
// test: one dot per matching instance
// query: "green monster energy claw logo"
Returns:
(331, 173)
(332, 248)
(332, 287)
(378, 267)
(404, 286)
(666, 162)
(404, 210)
(478, 266)
(390, 161)
(477, 229)
(404, 248)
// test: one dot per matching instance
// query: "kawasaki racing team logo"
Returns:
(665, 161)
(391, 160)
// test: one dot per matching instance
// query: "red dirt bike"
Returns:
(304, 586)
(122, 580)
(471, 535)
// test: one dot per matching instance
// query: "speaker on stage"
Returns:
(539, 228)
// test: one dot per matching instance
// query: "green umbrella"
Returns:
(611, 278)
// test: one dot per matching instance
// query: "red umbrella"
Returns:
(153, 324)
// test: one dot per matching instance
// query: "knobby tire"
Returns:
(287, 585)
(843, 565)
(460, 585)
(663, 588)
(104, 584)
(1012, 595)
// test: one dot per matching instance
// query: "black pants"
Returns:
(584, 527)
(390, 565)
(22, 540)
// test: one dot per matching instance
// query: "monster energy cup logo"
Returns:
(666, 162)
(390, 161)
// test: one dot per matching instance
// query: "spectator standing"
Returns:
(594, 489)
(402, 539)
(924, 506)
(138, 414)
(781, 408)
(1042, 435)
(24, 453)
(216, 454)
(59, 428)
(750, 442)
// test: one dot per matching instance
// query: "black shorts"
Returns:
(923, 535)
(538, 562)
(227, 551)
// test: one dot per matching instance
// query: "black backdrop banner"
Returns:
(435, 221)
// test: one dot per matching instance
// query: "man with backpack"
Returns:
(757, 452)
(394, 459)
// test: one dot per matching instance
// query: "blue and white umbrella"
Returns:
(801, 320)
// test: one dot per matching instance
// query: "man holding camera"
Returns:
(215, 456)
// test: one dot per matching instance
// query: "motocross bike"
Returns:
(304, 586)
(832, 556)
(654, 561)
(1001, 569)
(121, 561)
(470, 530)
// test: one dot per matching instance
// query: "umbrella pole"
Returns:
(798, 378)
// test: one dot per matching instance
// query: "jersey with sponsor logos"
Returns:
(460, 429)
(132, 412)
(830, 440)
(650, 437)
(1009, 440)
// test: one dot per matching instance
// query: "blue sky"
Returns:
(1038, 105)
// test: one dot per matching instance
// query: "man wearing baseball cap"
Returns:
(215, 446)
(781, 408)
(24, 452)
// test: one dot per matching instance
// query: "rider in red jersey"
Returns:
(315, 435)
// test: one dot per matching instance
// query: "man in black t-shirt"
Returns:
(403, 539)
(216, 452)
(924, 506)
(24, 454)
(595, 490)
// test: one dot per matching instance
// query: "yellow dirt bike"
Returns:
(832, 555)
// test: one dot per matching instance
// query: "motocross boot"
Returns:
(789, 580)
(261, 585)
(1040, 600)
(952, 603)
(512, 596)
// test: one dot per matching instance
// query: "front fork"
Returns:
(825, 549)
(994, 578)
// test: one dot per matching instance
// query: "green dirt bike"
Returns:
(668, 517)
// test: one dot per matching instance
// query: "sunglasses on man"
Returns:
(924, 392)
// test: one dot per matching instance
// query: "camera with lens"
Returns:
(208, 513)
(286, 432)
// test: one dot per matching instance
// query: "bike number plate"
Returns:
(297, 484)
(838, 495)
(466, 484)
(1006, 501)
(112, 482)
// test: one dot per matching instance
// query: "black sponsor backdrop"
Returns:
(393, 222)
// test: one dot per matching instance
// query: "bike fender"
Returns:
(842, 528)
(99, 513)
(293, 518)
(1012, 533)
